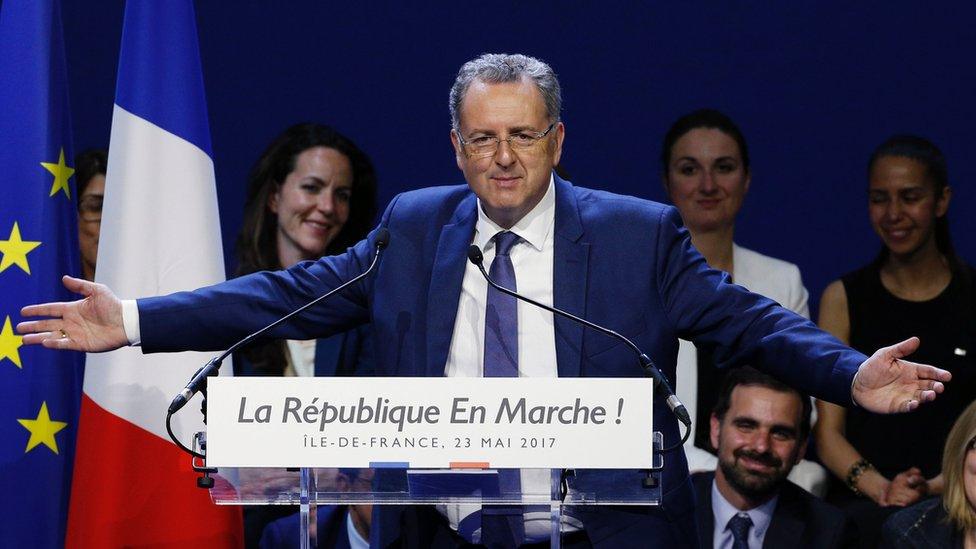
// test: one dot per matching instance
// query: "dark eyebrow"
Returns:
(784, 429)
(913, 188)
(775, 428)
(512, 130)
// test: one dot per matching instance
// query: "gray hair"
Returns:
(498, 68)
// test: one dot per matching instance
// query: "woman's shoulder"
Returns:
(921, 525)
(774, 278)
(754, 261)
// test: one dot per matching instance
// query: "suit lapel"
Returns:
(570, 257)
(703, 507)
(444, 291)
(327, 353)
(786, 526)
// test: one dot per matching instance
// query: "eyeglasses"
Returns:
(487, 145)
(90, 208)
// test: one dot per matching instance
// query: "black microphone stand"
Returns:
(198, 383)
(647, 365)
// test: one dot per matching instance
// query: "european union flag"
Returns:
(40, 389)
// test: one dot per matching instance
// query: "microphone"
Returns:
(660, 380)
(199, 379)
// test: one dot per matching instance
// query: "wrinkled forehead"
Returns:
(518, 101)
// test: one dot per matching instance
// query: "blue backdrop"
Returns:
(814, 86)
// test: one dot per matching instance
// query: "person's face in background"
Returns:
(509, 183)
(90, 223)
(706, 179)
(758, 441)
(312, 204)
(903, 206)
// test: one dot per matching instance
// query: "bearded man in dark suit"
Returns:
(760, 428)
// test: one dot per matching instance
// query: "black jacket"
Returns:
(800, 519)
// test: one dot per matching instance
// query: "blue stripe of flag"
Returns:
(160, 76)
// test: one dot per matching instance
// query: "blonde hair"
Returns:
(960, 511)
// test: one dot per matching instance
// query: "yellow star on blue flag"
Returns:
(10, 343)
(42, 430)
(61, 173)
(15, 250)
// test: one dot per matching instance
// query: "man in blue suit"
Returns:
(618, 261)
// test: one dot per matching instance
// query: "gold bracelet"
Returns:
(855, 472)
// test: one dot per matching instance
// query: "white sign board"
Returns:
(585, 423)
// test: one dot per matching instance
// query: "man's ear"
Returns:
(715, 425)
(458, 150)
(560, 130)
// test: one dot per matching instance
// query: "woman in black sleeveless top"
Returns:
(916, 286)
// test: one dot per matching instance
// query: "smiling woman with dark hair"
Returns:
(311, 193)
(706, 172)
(916, 285)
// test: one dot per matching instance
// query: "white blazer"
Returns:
(781, 282)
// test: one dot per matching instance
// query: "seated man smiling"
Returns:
(760, 428)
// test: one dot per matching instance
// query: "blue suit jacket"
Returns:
(619, 261)
(345, 354)
(332, 530)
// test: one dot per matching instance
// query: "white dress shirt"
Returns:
(532, 259)
(356, 540)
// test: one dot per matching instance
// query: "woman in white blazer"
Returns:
(705, 169)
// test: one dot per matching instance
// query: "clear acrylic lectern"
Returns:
(307, 488)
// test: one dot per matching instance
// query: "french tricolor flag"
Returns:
(160, 233)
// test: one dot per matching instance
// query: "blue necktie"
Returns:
(502, 526)
(501, 313)
(740, 525)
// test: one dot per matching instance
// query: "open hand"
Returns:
(887, 384)
(92, 324)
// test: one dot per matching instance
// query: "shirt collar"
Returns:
(723, 511)
(534, 227)
(356, 540)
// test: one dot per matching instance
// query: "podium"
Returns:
(308, 488)
(550, 499)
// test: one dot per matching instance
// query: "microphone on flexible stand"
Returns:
(661, 383)
(199, 379)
